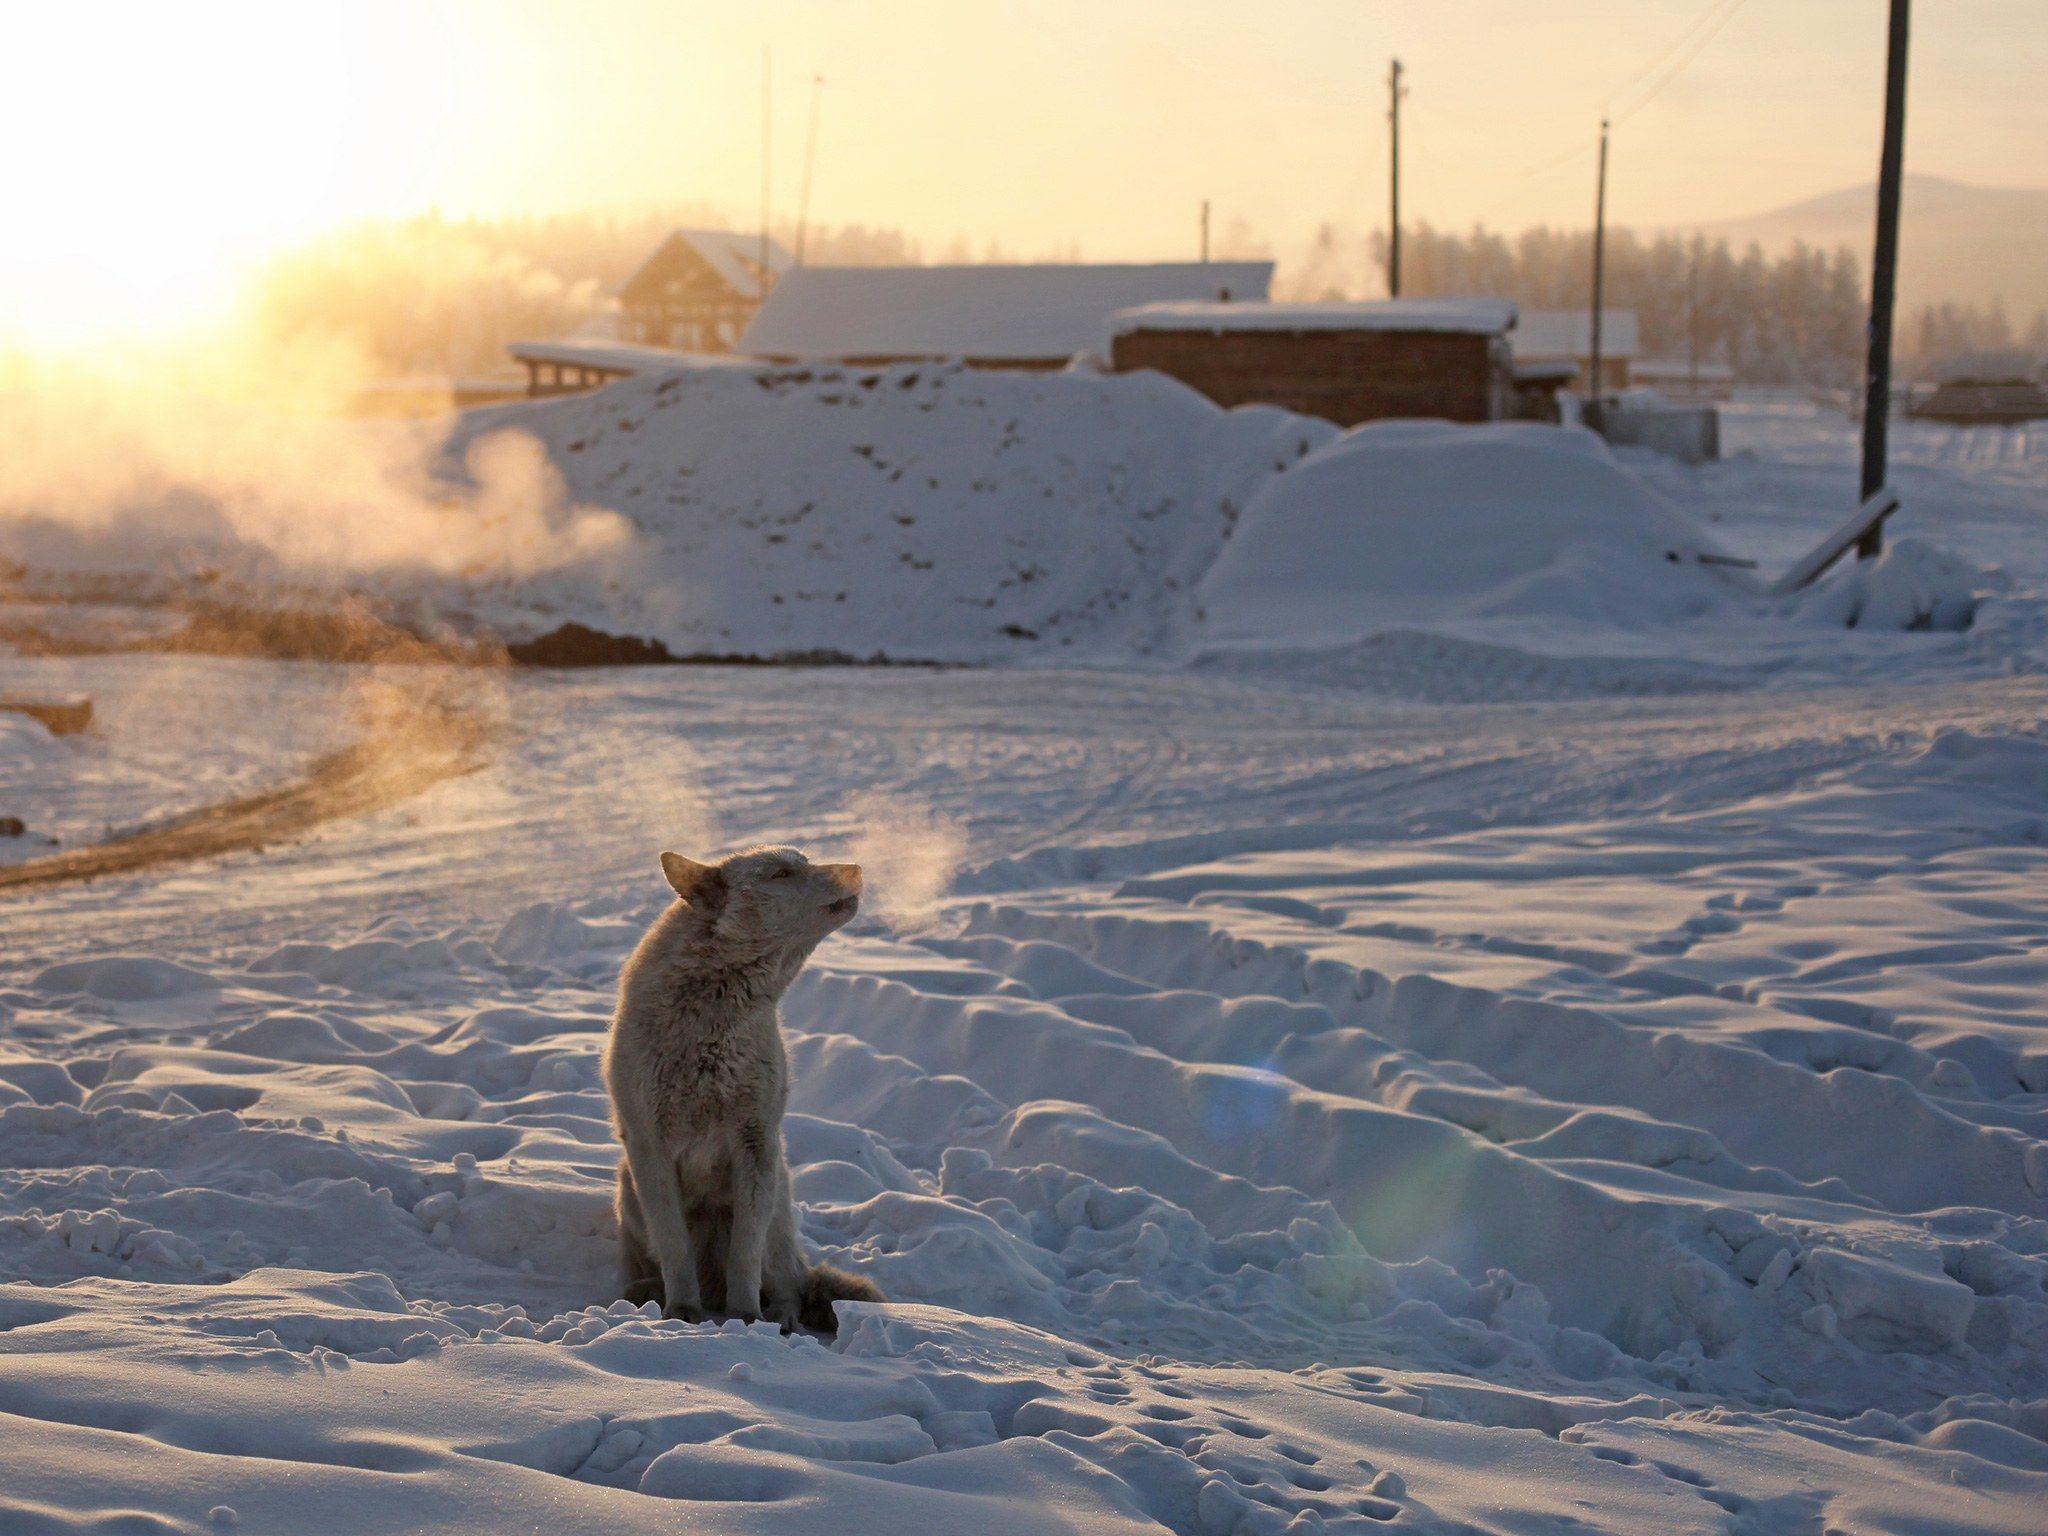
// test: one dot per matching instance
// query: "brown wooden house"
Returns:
(1345, 362)
(698, 290)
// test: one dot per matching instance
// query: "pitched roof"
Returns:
(1555, 333)
(1485, 317)
(734, 256)
(621, 357)
(1002, 313)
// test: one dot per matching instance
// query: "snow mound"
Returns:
(925, 512)
(1912, 585)
(1411, 523)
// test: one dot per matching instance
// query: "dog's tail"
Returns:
(825, 1285)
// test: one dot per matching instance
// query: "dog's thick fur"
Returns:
(698, 1080)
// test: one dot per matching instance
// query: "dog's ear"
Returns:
(701, 885)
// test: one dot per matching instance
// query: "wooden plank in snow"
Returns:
(1812, 566)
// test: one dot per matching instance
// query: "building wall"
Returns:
(1617, 373)
(1344, 376)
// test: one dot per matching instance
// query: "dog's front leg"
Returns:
(668, 1229)
(752, 1209)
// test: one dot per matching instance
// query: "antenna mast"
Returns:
(803, 205)
(767, 120)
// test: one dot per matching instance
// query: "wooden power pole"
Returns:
(1395, 92)
(1884, 268)
(1692, 318)
(1205, 231)
(1595, 385)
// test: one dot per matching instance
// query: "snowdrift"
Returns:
(928, 512)
(1912, 585)
(1405, 524)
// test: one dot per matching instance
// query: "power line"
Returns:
(1702, 30)
(1556, 162)
(1727, 15)
(1678, 44)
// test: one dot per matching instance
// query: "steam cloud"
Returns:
(910, 855)
(230, 455)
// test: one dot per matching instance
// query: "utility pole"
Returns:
(803, 202)
(1395, 91)
(1692, 316)
(1205, 231)
(1597, 392)
(1877, 374)
(767, 120)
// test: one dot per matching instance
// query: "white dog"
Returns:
(698, 1080)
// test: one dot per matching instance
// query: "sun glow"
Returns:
(157, 152)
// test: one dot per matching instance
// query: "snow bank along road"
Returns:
(1271, 1109)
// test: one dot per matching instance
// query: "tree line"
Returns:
(1794, 318)
(438, 296)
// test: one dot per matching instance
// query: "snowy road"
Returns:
(596, 769)
(1268, 1108)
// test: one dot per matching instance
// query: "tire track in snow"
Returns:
(404, 750)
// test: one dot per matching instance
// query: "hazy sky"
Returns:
(154, 144)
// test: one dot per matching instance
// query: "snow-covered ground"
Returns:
(170, 734)
(1420, 1079)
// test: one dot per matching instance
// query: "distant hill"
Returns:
(1957, 243)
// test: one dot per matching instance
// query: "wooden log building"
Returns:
(698, 290)
(1346, 362)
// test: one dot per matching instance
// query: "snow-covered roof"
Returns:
(1545, 370)
(1485, 317)
(620, 357)
(1008, 313)
(733, 255)
(1555, 333)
